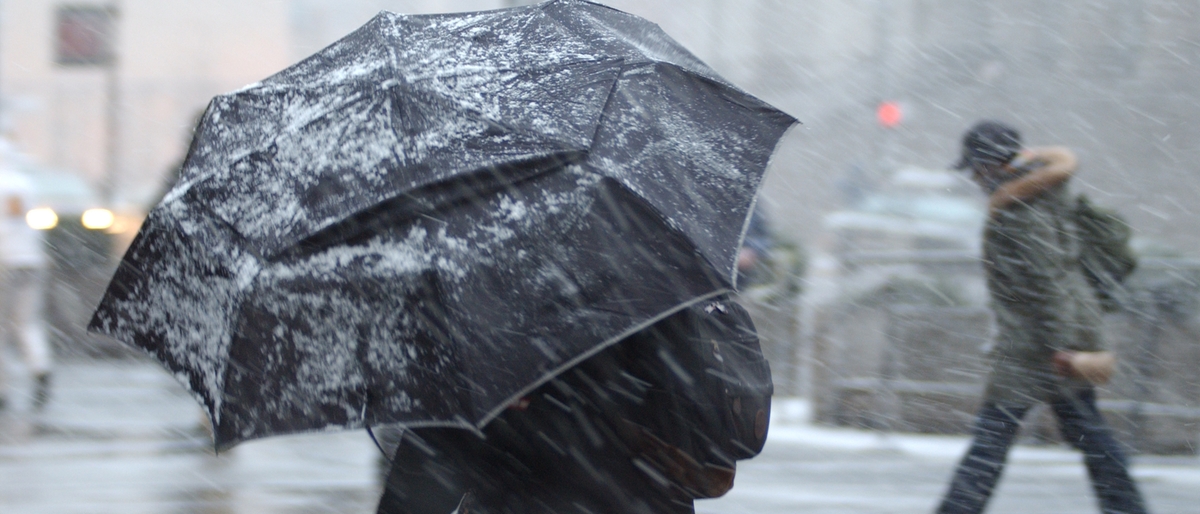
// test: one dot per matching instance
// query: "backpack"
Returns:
(1104, 253)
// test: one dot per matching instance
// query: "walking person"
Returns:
(22, 286)
(753, 259)
(1047, 347)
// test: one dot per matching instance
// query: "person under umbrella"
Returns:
(435, 216)
(645, 426)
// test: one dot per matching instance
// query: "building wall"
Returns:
(317, 23)
(173, 56)
(1114, 79)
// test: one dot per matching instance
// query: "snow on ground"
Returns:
(817, 469)
(124, 437)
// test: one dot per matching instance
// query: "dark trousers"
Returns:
(1081, 425)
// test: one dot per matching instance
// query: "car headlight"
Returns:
(97, 219)
(41, 218)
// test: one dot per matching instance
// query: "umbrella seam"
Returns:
(593, 351)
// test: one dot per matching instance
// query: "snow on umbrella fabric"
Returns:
(436, 214)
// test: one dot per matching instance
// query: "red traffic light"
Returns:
(889, 114)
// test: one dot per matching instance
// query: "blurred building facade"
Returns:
(1110, 78)
(169, 59)
(1113, 79)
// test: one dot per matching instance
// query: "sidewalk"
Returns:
(124, 437)
(824, 470)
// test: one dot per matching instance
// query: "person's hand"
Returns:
(1005, 194)
(1095, 367)
(747, 258)
(1036, 170)
(1062, 363)
(999, 200)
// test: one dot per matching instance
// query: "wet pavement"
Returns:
(821, 470)
(122, 436)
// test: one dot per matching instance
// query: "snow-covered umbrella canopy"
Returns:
(436, 214)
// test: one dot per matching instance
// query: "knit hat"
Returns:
(989, 143)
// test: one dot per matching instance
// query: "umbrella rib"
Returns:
(593, 351)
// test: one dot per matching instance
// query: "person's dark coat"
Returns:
(1039, 295)
(644, 426)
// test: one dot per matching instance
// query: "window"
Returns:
(85, 35)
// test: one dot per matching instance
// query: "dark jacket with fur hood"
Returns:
(1039, 295)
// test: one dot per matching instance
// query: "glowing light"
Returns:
(42, 218)
(889, 114)
(97, 219)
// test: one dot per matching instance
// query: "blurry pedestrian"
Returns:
(1047, 345)
(754, 256)
(22, 285)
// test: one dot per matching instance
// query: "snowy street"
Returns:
(123, 437)
(823, 470)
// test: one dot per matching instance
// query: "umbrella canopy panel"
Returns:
(437, 214)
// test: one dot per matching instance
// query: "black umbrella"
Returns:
(436, 214)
